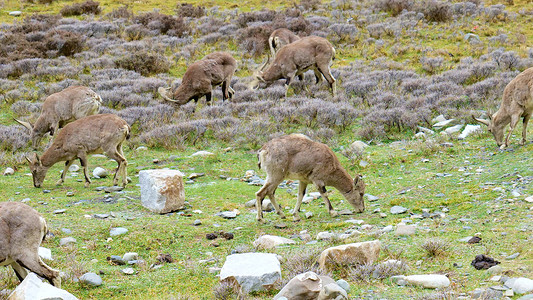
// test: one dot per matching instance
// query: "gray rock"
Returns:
(472, 38)
(74, 168)
(128, 271)
(252, 271)
(402, 229)
(495, 270)
(142, 148)
(99, 172)
(358, 147)
(113, 189)
(59, 211)
(388, 228)
(101, 216)
(395, 210)
(227, 214)
(521, 285)
(344, 284)
(324, 235)
(162, 191)
(197, 223)
(9, 171)
(66, 241)
(371, 197)
(118, 231)
(308, 215)
(491, 294)
(513, 256)
(117, 260)
(15, 13)
(526, 297)
(310, 285)
(92, 279)
(250, 204)
(33, 288)
(267, 205)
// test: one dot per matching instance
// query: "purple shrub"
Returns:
(13, 138)
(24, 108)
(345, 32)
(431, 64)
(394, 7)
(190, 11)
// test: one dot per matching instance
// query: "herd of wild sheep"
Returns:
(71, 117)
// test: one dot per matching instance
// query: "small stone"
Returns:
(397, 210)
(388, 228)
(405, 229)
(513, 256)
(227, 214)
(495, 270)
(128, 271)
(118, 231)
(141, 148)
(308, 215)
(70, 194)
(129, 256)
(383, 215)
(344, 284)
(195, 175)
(9, 171)
(25, 200)
(46, 191)
(99, 172)
(116, 260)
(92, 279)
(197, 223)
(271, 241)
(474, 240)
(74, 168)
(280, 225)
(529, 199)
(324, 236)
(371, 197)
(66, 241)
(250, 203)
(211, 236)
(112, 189)
(15, 13)
(101, 216)
(202, 154)
(59, 211)
(346, 212)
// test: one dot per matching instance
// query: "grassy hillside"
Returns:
(395, 71)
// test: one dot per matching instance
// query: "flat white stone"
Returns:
(431, 281)
(469, 129)
(33, 288)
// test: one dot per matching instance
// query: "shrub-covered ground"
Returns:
(398, 65)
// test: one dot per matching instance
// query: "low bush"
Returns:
(88, 7)
(189, 10)
(144, 63)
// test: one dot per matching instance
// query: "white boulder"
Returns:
(9, 171)
(99, 172)
(45, 253)
(469, 129)
(252, 271)
(356, 253)
(33, 288)
(162, 191)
